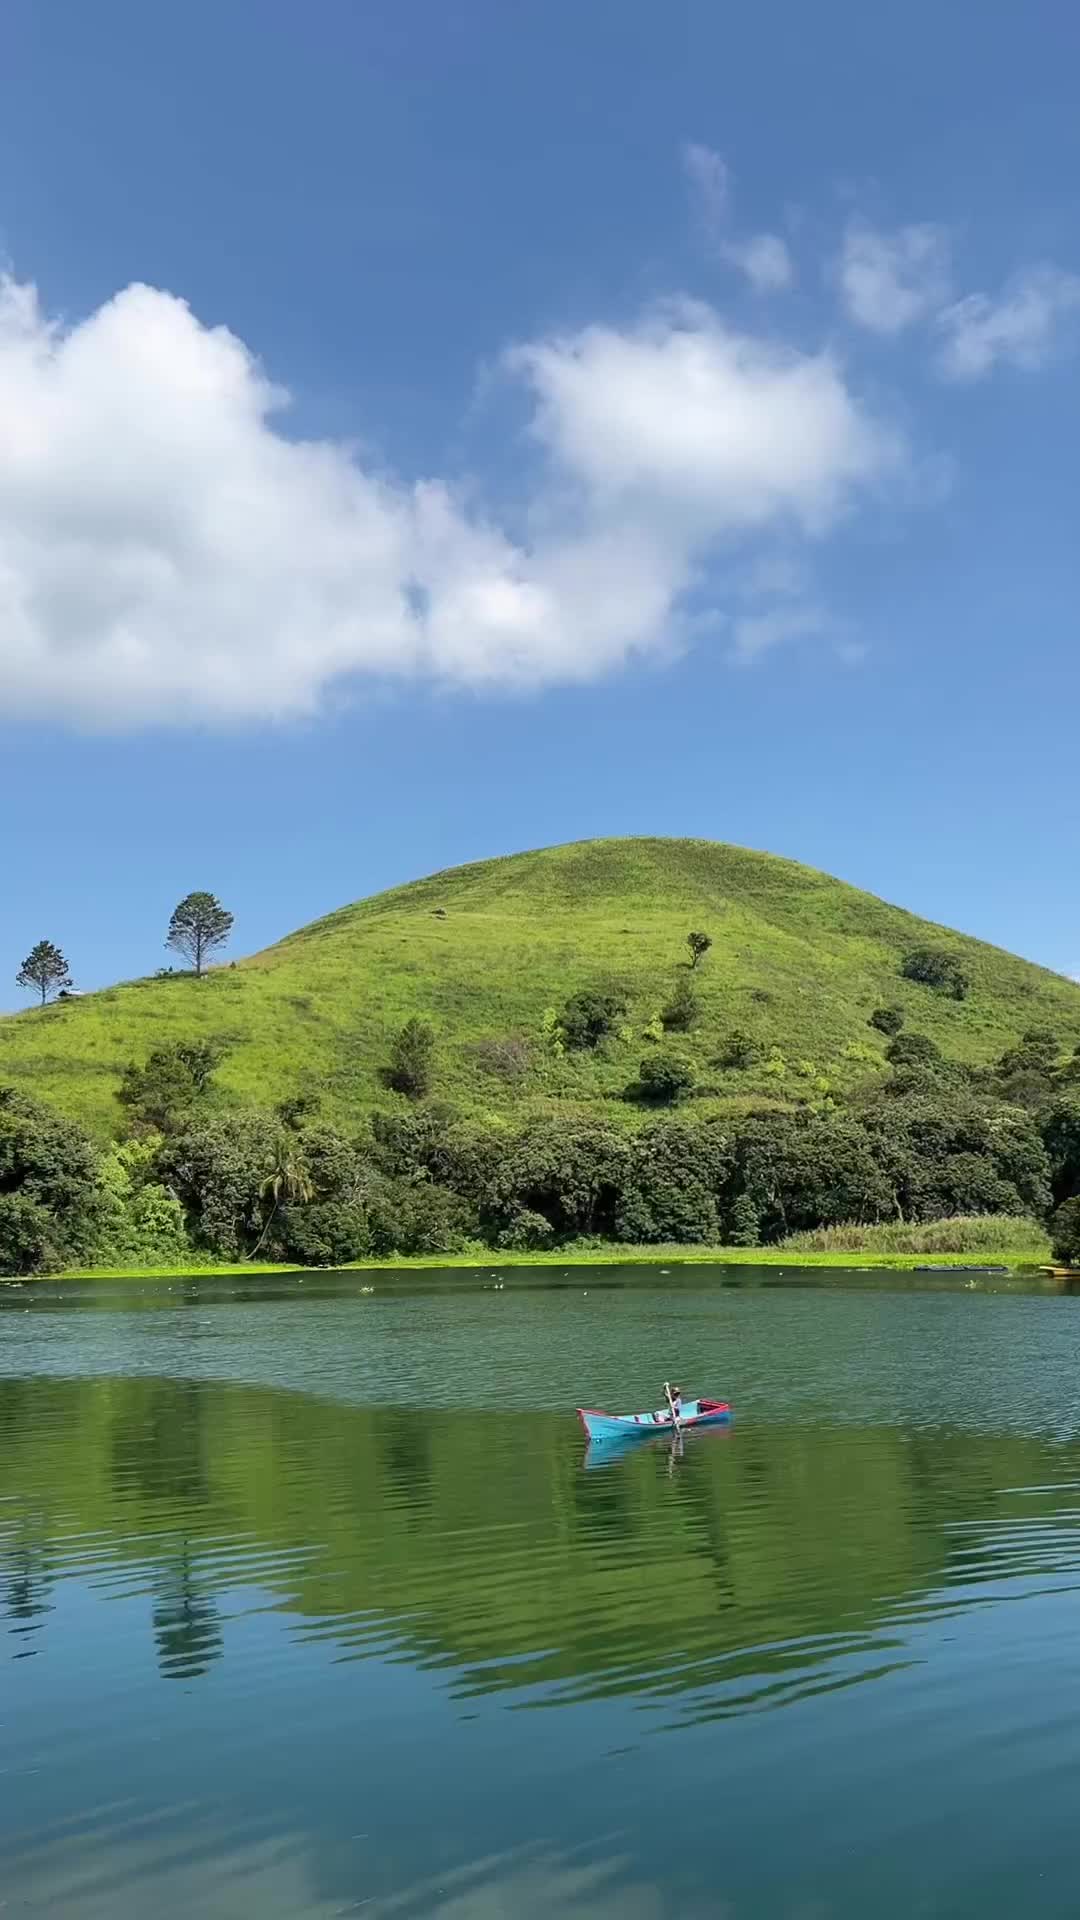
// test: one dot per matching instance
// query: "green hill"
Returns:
(799, 960)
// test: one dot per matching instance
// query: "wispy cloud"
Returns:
(766, 261)
(890, 280)
(764, 258)
(710, 184)
(1021, 327)
(756, 634)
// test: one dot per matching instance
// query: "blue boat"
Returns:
(639, 1426)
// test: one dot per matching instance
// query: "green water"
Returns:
(272, 1645)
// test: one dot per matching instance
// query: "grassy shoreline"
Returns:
(863, 1260)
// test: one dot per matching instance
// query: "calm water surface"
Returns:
(271, 1644)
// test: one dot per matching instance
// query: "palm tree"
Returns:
(289, 1179)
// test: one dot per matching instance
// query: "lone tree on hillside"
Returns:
(590, 1015)
(937, 968)
(412, 1060)
(699, 944)
(664, 1077)
(887, 1020)
(199, 924)
(44, 970)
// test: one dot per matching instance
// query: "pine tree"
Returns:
(44, 970)
(199, 924)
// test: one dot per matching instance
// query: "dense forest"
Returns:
(198, 1173)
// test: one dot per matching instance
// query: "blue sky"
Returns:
(680, 437)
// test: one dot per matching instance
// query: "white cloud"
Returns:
(712, 432)
(168, 555)
(889, 280)
(1020, 328)
(766, 261)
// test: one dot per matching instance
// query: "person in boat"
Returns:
(672, 1395)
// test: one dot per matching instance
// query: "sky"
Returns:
(435, 429)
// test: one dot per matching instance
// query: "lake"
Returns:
(273, 1645)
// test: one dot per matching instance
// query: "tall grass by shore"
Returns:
(999, 1239)
(979, 1233)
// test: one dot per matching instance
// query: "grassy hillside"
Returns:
(799, 960)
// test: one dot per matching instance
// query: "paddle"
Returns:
(671, 1404)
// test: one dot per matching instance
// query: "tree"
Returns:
(699, 944)
(670, 1187)
(589, 1016)
(219, 1167)
(938, 968)
(804, 1171)
(44, 970)
(946, 1150)
(742, 1227)
(1065, 1232)
(289, 1180)
(681, 1010)
(412, 1060)
(664, 1077)
(913, 1050)
(141, 1220)
(1060, 1131)
(417, 1219)
(199, 925)
(161, 1094)
(887, 1020)
(49, 1198)
(323, 1215)
(571, 1172)
(1037, 1051)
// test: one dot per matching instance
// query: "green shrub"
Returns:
(739, 1051)
(664, 1077)
(526, 1231)
(862, 1056)
(412, 1058)
(936, 967)
(589, 1016)
(913, 1050)
(1037, 1051)
(681, 1011)
(887, 1019)
(552, 1037)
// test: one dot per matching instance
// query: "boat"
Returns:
(639, 1426)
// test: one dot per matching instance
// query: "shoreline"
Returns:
(490, 1261)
